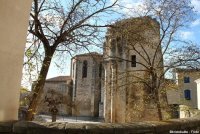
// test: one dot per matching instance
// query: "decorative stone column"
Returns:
(107, 95)
(113, 90)
(14, 16)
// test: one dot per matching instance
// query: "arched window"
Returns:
(73, 70)
(100, 70)
(113, 47)
(84, 69)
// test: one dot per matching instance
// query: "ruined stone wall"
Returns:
(86, 90)
(126, 95)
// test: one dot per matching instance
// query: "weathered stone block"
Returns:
(75, 128)
(38, 128)
(147, 127)
(101, 128)
(6, 127)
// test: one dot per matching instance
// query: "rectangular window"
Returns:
(133, 60)
(63, 87)
(187, 94)
(186, 79)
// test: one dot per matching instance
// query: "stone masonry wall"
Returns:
(60, 90)
(128, 80)
(86, 90)
(190, 125)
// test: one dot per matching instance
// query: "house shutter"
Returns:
(187, 94)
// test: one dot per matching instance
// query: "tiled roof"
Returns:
(89, 54)
(187, 70)
(172, 81)
(59, 79)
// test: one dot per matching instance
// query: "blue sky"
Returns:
(192, 32)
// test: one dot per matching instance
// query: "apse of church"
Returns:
(87, 83)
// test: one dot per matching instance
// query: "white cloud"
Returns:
(138, 6)
(131, 7)
(196, 4)
(186, 35)
(195, 23)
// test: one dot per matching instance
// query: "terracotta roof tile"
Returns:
(59, 79)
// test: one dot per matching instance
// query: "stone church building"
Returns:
(111, 85)
(87, 76)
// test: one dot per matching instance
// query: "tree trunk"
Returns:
(38, 88)
(159, 111)
(157, 98)
(53, 117)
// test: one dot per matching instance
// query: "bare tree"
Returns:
(53, 99)
(151, 40)
(62, 26)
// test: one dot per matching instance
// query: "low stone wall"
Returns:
(189, 125)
